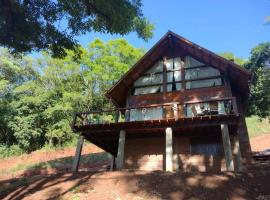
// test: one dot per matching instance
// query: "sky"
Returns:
(218, 25)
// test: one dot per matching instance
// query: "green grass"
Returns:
(257, 126)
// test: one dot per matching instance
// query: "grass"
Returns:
(257, 126)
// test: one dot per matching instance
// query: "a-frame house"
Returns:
(180, 107)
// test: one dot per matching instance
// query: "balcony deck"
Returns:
(106, 134)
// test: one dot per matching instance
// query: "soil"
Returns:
(95, 182)
(260, 143)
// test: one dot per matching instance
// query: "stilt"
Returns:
(237, 152)
(121, 149)
(78, 152)
(112, 163)
(227, 147)
(169, 149)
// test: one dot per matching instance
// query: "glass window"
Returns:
(173, 76)
(174, 86)
(203, 83)
(149, 79)
(191, 62)
(178, 63)
(169, 64)
(158, 67)
(148, 90)
(202, 72)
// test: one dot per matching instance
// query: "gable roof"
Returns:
(238, 76)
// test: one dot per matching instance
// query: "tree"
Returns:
(47, 92)
(259, 65)
(27, 25)
(232, 57)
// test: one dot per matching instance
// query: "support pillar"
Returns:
(121, 149)
(112, 163)
(227, 147)
(78, 152)
(237, 153)
(169, 149)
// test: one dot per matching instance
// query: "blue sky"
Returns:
(218, 25)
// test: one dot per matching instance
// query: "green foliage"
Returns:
(35, 25)
(232, 57)
(38, 97)
(8, 151)
(257, 126)
(259, 65)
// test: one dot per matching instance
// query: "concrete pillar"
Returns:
(121, 149)
(169, 149)
(78, 152)
(227, 147)
(112, 163)
(237, 153)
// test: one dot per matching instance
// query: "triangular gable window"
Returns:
(191, 73)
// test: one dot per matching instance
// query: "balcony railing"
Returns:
(221, 106)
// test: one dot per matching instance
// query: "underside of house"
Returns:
(179, 108)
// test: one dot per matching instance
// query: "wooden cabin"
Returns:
(181, 107)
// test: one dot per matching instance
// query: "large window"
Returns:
(177, 74)
(151, 81)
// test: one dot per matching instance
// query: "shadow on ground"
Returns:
(143, 185)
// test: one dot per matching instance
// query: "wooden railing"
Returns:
(158, 111)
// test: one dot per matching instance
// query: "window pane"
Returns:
(148, 90)
(169, 76)
(201, 73)
(158, 67)
(191, 62)
(177, 63)
(173, 87)
(175, 74)
(203, 83)
(148, 80)
(169, 64)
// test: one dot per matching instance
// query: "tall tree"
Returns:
(27, 25)
(259, 64)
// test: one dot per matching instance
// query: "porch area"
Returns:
(116, 133)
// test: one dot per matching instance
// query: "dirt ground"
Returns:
(260, 143)
(94, 182)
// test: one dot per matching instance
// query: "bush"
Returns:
(8, 151)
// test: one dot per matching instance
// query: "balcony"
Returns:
(195, 117)
(209, 109)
